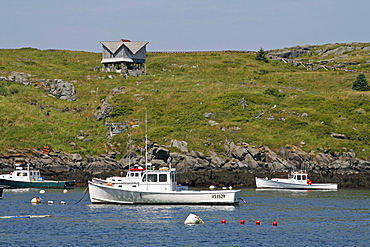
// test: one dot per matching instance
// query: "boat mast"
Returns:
(146, 148)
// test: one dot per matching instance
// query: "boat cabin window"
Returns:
(22, 174)
(151, 178)
(304, 177)
(162, 177)
(134, 174)
(299, 177)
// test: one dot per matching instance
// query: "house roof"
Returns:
(114, 46)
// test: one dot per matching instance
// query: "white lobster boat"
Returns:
(296, 180)
(151, 186)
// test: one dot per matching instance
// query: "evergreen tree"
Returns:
(360, 84)
(261, 56)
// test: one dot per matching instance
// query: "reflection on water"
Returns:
(20, 190)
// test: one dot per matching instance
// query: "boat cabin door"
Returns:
(173, 181)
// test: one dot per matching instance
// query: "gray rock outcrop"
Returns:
(19, 77)
(239, 166)
(57, 88)
(62, 90)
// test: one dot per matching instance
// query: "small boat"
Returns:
(26, 178)
(296, 180)
(155, 186)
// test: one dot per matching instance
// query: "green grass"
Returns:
(284, 104)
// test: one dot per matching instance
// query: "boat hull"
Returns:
(270, 184)
(47, 184)
(100, 193)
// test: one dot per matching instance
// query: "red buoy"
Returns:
(242, 222)
(223, 221)
(274, 223)
(258, 222)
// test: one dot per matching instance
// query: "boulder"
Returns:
(182, 145)
(294, 156)
(161, 154)
(19, 77)
(103, 111)
(63, 90)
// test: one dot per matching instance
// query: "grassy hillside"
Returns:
(260, 103)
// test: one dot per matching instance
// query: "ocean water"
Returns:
(304, 218)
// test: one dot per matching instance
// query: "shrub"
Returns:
(121, 110)
(360, 84)
(261, 56)
(274, 92)
(8, 88)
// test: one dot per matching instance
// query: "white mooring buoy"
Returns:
(36, 200)
(193, 219)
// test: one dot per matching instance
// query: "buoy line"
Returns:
(85, 192)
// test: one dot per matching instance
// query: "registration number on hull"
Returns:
(218, 196)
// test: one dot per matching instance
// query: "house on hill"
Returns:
(124, 56)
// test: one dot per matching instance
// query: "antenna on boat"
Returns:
(146, 148)
(129, 155)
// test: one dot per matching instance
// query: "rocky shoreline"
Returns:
(238, 168)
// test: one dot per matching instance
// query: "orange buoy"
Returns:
(274, 223)
(109, 184)
(258, 222)
(223, 221)
(242, 222)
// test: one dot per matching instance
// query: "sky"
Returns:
(182, 25)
